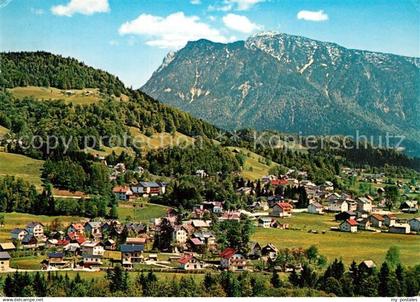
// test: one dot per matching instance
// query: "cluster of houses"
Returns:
(142, 189)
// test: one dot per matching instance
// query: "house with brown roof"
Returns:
(122, 193)
(389, 219)
(376, 220)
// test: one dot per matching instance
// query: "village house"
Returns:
(282, 209)
(279, 182)
(56, 260)
(77, 228)
(403, 228)
(7, 247)
(122, 193)
(231, 260)
(30, 241)
(270, 250)
(150, 188)
(179, 234)
(213, 206)
(409, 206)
(254, 250)
(389, 219)
(414, 224)
(91, 261)
(201, 173)
(206, 237)
(345, 215)
(376, 220)
(367, 265)
(189, 262)
(364, 204)
(260, 205)
(364, 224)
(92, 248)
(4, 261)
(18, 234)
(338, 205)
(315, 208)
(264, 222)
(35, 228)
(110, 245)
(136, 240)
(349, 225)
(93, 228)
(244, 190)
(75, 237)
(230, 215)
(130, 254)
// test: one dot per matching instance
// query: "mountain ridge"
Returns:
(271, 82)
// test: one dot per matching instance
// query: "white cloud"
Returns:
(316, 16)
(195, 2)
(84, 7)
(240, 23)
(172, 31)
(240, 5)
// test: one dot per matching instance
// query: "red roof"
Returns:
(121, 189)
(81, 239)
(185, 259)
(196, 241)
(279, 182)
(63, 242)
(284, 205)
(352, 222)
(227, 253)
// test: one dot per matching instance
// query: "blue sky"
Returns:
(129, 38)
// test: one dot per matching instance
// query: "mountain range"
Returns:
(293, 84)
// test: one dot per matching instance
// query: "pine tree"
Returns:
(275, 280)
(400, 276)
(383, 280)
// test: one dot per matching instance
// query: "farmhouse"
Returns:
(400, 228)
(92, 261)
(376, 220)
(367, 265)
(409, 206)
(315, 208)
(179, 234)
(350, 225)
(414, 224)
(56, 260)
(254, 250)
(364, 204)
(189, 262)
(92, 248)
(131, 254)
(264, 222)
(4, 261)
(338, 205)
(270, 250)
(93, 228)
(76, 228)
(35, 228)
(122, 193)
(231, 260)
(389, 219)
(146, 189)
(18, 234)
(282, 209)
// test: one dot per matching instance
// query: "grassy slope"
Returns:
(21, 166)
(358, 246)
(143, 214)
(80, 96)
(3, 131)
(160, 140)
(15, 220)
(253, 168)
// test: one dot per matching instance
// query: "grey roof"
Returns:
(33, 224)
(55, 255)
(94, 224)
(17, 231)
(4, 255)
(91, 256)
(150, 184)
(129, 248)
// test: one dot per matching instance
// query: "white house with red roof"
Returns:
(189, 262)
(282, 209)
(231, 260)
(349, 225)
